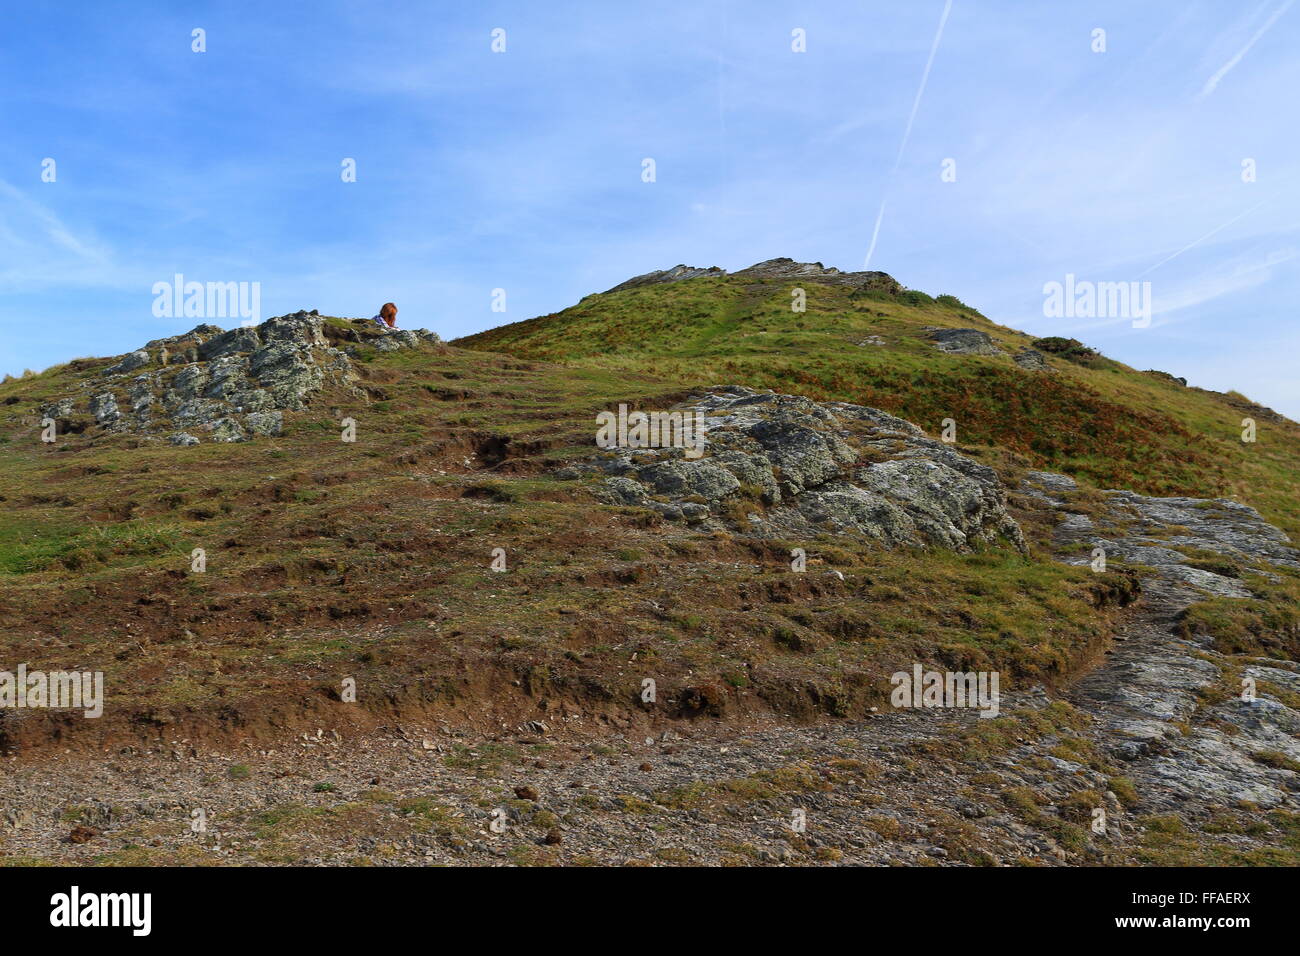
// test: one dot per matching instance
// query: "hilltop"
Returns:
(1047, 403)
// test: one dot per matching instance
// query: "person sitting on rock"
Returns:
(387, 317)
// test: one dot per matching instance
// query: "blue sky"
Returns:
(522, 170)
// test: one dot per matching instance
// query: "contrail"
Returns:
(1197, 242)
(907, 132)
(875, 233)
(925, 77)
(1213, 82)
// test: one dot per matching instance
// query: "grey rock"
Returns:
(1051, 481)
(964, 342)
(129, 363)
(230, 343)
(694, 513)
(682, 479)
(227, 430)
(264, 423)
(301, 329)
(397, 339)
(199, 333)
(187, 384)
(60, 409)
(286, 370)
(626, 491)
(226, 376)
(798, 458)
(1033, 360)
(104, 407)
(183, 438)
(199, 411)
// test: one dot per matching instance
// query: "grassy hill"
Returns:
(370, 560)
(1104, 423)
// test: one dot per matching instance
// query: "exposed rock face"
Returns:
(964, 342)
(830, 467)
(789, 269)
(773, 269)
(233, 385)
(1150, 698)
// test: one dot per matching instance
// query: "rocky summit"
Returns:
(771, 269)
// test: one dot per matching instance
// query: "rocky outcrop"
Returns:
(795, 467)
(676, 274)
(815, 271)
(230, 385)
(773, 269)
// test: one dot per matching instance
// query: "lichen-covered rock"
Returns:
(964, 342)
(397, 339)
(226, 376)
(264, 423)
(815, 467)
(60, 409)
(249, 375)
(104, 407)
(681, 478)
(143, 398)
(238, 383)
(287, 372)
(227, 430)
(186, 385)
(199, 411)
(183, 438)
(944, 504)
(230, 343)
(301, 329)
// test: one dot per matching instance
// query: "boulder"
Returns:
(1033, 360)
(964, 342)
